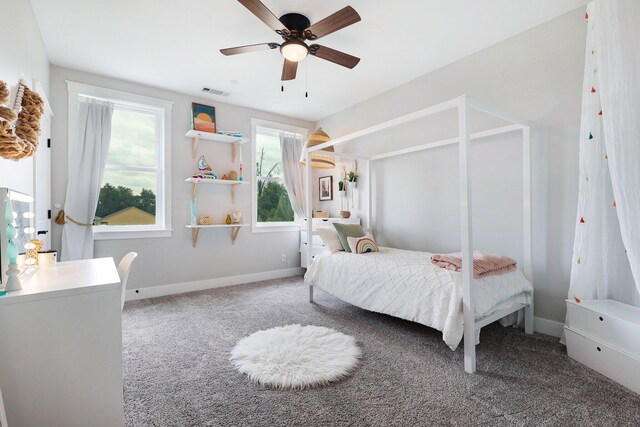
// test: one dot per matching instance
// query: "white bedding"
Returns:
(406, 284)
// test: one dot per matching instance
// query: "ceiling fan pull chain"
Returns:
(306, 79)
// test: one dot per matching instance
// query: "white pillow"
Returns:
(330, 239)
(362, 245)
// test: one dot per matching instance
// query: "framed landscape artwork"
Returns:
(203, 117)
(325, 188)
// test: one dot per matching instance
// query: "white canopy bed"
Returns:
(440, 307)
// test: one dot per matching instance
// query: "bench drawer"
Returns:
(607, 321)
(610, 362)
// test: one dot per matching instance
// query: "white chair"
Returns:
(123, 271)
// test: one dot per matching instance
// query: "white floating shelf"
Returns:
(216, 137)
(216, 225)
(197, 136)
(195, 229)
(234, 185)
(215, 181)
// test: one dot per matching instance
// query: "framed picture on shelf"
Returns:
(325, 188)
(203, 117)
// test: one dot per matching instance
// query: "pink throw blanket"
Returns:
(483, 264)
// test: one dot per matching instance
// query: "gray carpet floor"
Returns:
(177, 372)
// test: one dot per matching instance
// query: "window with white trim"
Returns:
(271, 205)
(134, 196)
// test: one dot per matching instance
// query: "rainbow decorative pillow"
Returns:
(362, 245)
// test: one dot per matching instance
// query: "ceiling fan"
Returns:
(296, 29)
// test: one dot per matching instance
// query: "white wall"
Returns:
(23, 56)
(536, 75)
(172, 260)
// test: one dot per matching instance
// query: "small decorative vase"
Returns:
(193, 211)
(353, 184)
(13, 280)
(345, 214)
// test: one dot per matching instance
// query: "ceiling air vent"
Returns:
(215, 92)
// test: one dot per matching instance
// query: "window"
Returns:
(134, 196)
(271, 206)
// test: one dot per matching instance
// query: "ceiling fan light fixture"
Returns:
(294, 50)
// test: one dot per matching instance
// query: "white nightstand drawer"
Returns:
(317, 240)
(303, 255)
(315, 250)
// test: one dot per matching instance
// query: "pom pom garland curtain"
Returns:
(606, 258)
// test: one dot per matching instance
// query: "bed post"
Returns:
(370, 196)
(309, 210)
(466, 234)
(526, 205)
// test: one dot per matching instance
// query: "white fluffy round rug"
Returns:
(296, 357)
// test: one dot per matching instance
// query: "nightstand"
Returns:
(318, 245)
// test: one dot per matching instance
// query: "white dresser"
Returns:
(605, 336)
(61, 347)
(318, 245)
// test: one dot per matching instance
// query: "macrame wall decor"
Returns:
(20, 126)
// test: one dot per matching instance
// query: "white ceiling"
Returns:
(175, 45)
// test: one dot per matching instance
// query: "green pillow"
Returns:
(348, 230)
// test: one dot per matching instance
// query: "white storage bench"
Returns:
(605, 336)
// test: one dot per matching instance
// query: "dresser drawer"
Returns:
(607, 321)
(315, 250)
(303, 255)
(317, 240)
(610, 362)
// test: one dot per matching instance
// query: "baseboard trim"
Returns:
(548, 327)
(218, 282)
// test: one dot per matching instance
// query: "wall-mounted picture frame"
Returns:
(203, 117)
(325, 188)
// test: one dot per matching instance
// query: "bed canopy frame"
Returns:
(462, 106)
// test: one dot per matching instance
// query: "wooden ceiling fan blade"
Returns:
(332, 23)
(289, 70)
(334, 56)
(265, 15)
(248, 48)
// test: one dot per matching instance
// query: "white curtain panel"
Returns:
(3, 413)
(607, 240)
(291, 148)
(87, 158)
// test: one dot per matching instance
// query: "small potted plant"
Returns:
(352, 177)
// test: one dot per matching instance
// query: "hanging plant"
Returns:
(352, 176)
(340, 185)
